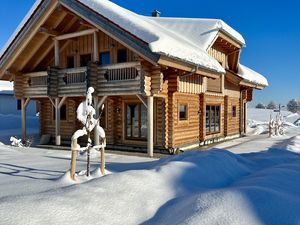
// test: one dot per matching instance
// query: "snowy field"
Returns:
(255, 181)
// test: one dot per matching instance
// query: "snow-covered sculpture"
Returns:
(276, 126)
(16, 142)
(86, 115)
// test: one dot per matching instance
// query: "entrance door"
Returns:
(136, 121)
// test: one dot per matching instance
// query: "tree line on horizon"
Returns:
(292, 106)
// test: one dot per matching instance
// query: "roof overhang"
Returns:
(167, 61)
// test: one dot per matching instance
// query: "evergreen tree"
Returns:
(293, 105)
(260, 106)
(272, 105)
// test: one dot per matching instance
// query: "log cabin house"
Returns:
(166, 83)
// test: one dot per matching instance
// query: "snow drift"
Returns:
(213, 187)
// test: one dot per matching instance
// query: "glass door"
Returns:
(136, 121)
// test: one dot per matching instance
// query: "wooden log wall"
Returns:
(185, 131)
(19, 84)
(47, 118)
(218, 55)
(214, 85)
(233, 121)
(170, 104)
(192, 84)
(53, 73)
(84, 45)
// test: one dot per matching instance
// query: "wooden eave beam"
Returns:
(165, 61)
(75, 34)
(252, 85)
(229, 40)
(48, 31)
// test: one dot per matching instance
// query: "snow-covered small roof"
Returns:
(251, 76)
(6, 86)
(201, 32)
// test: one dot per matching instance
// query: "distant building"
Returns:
(9, 104)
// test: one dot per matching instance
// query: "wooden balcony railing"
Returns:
(120, 79)
(121, 71)
(36, 84)
(36, 79)
(74, 75)
(113, 79)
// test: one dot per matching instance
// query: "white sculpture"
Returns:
(86, 115)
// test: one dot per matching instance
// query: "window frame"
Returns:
(186, 111)
(81, 55)
(124, 50)
(234, 111)
(139, 138)
(213, 131)
(74, 61)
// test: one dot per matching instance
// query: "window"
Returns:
(19, 105)
(122, 55)
(104, 58)
(212, 119)
(63, 112)
(183, 112)
(85, 59)
(233, 111)
(136, 121)
(70, 61)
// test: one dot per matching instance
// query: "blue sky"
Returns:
(271, 30)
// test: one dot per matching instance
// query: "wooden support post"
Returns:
(24, 104)
(96, 135)
(73, 158)
(57, 122)
(150, 127)
(98, 104)
(102, 159)
(96, 48)
(58, 104)
(56, 53)
(246, 117)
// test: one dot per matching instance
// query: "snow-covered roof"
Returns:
(251, 76)
(201, 32)
(183, 39)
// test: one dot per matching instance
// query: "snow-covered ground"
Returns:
(197, 187)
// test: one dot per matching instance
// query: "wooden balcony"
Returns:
(72, 82)
(113, 79)
(120, 79)
(35, 84)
